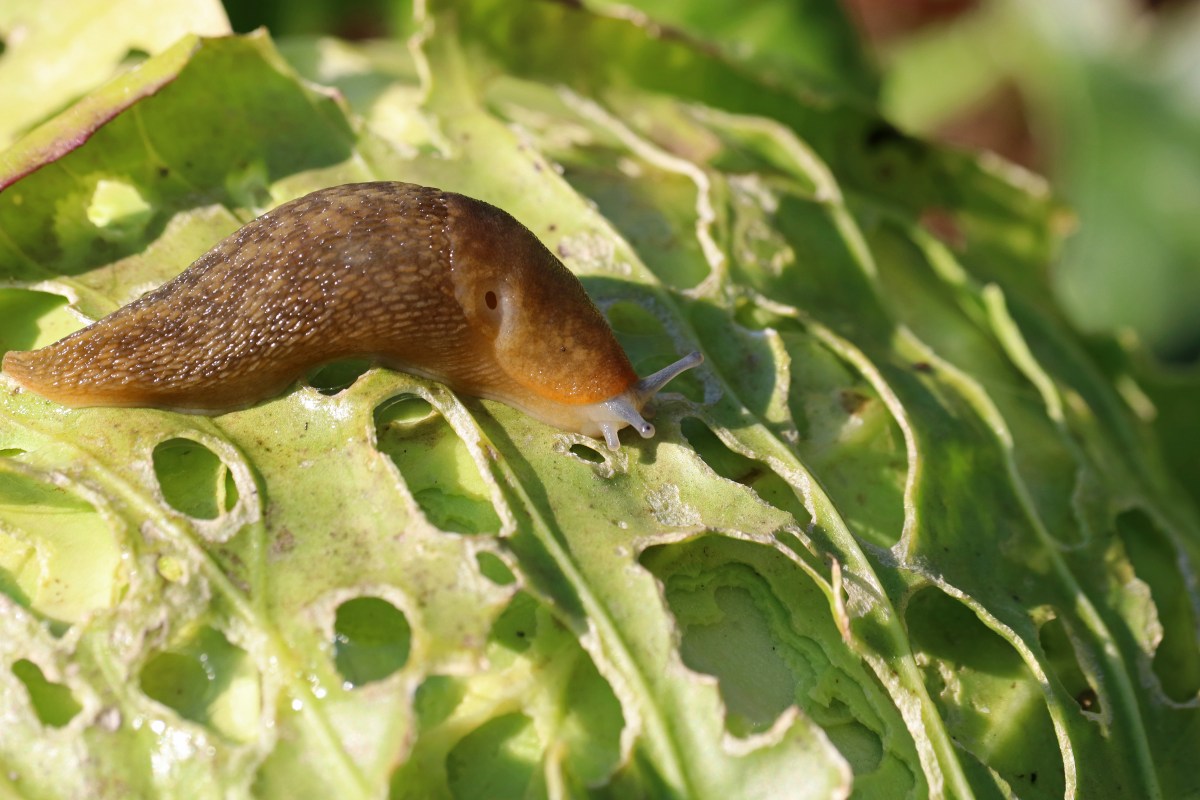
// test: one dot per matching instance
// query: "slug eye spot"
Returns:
(194, 480)
(491, 305)
(371, 640)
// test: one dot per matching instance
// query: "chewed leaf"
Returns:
(897, 536)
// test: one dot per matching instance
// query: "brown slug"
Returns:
(430, 282)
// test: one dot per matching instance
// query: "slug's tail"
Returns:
(18, 365)
(626, 408)
(29, 368)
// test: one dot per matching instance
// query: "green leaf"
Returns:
(1114, 118)
(96, 39)
(902, 535)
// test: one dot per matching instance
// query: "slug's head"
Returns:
(550, 351)
(607, 417)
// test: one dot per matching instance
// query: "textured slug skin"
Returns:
(426, 281)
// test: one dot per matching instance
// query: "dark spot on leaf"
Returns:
(923, 366)
(942, 223)
(852, 401)
(883, 133)
(284, 542)
(1086, 699)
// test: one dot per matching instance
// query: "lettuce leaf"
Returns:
(903, 535)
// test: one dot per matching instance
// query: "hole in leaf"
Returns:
(249, 186)
(587, 453)
(436, 466)
(753, 619)
(30, 319)
(436, 698)
(494, 569)
(404, 409)
(1177, 657)
(723, 630)
(528, 646)
(497, 759)
(371, 640)
(338, 376)
(133, 57)
(11, 452)
(993, 706)
(53, 702)
(1060, 653)
(490, 300)
(194, 480)
(517, 625)
(65, 563)
(755, 475)
(860, 745)
(119, 210)
(207, 680)
(751, 359)
(754, 317)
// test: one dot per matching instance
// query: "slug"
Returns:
(429, 282)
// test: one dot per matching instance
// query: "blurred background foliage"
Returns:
(1103, 98)
(1100, 96)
